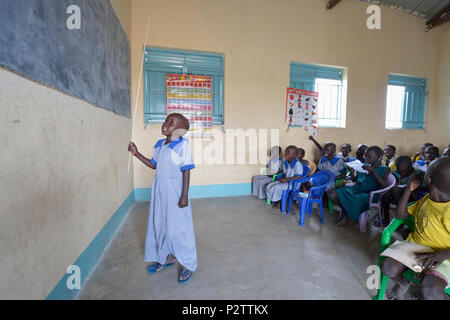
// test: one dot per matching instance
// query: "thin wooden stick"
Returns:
(138, 89)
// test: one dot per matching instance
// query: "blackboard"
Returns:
(92, 63)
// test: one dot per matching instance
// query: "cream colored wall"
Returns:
(260, 38)
(123, 12)
(443, 93)
(63, 173)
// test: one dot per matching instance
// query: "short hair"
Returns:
(291, 147)
(390, 146)
(332, 144)
(403, 160)
(427, 144)
(279, 149)
(378, 151)
(301, 150)
(434, 148)
(439, 171)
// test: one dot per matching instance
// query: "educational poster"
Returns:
(301, 109)
(191, 95)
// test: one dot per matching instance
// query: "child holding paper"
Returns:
(432, 229)
(355, 199)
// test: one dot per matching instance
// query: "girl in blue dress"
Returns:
(170, 229)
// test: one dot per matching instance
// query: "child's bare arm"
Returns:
(402, 211)
(316, 143)
(184, 199)
(133, 150)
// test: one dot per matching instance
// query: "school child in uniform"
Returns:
(431, 153)
(360, 152)
(292, 170)
(274, 166)
(346, 148)
(301, 155)
(331, 162)
(421, 155)
(170, 229)
(389, 156)
(403, 173)
(432, 229)
(355, 199)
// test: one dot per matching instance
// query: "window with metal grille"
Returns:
(328, 82)
(159, 62)
(405, 102)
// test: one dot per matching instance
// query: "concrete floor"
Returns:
(246, 250)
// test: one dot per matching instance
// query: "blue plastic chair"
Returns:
(319, 181)
(294, 186)
(291, 188)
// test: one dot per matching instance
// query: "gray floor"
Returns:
(246, 250)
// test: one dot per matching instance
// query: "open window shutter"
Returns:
(413, 110)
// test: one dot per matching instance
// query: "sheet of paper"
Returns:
(404, 252)
(357, 165)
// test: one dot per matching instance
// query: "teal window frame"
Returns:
(161, 61)
(413, 102)
(303, 76)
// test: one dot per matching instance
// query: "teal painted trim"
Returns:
(206, 191)
(90, 256)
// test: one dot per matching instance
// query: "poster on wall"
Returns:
(302, 110)
(191, 95)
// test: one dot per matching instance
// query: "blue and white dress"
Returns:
(275, 189)
(259, 183)
(170, 229)
(335, 165)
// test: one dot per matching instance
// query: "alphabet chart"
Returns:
(302, 110)
(191, 95)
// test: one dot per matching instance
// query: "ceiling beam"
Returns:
(441, 17)
(332, 3)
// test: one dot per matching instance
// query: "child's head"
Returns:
(373, 155)
(300, 153)
(424, 146)
(361, 150)
(403, 165)
(437, 177)
(389, 151)
(175, 126)
(275, 152)
(346, 148)
(290, 153)
(329, 150)
(431, 153)
(446, 153)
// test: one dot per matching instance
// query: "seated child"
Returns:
(292, 170)
(403, 174)
(301, 155)
(431, 153)
(421, 155)
(331, 162)
(346, 148)
(360, 151)
(274, 166)
(389, 157)
(355, 199)
(432, 229)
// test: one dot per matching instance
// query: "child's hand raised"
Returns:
(132, 148)
(311, 138)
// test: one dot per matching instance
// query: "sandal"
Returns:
(153, 268)
(182, 274)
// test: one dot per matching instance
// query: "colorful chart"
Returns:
(301, 109)
(191, 95)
